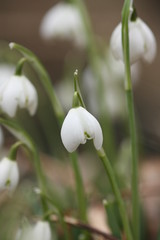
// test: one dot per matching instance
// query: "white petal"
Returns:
(9, 100)
(8, 172)
(18, 91)
(42, 231)
(78, 126)
(91, 126)
(31, 99)
(116, 43)
(149, 40)
(72, 132)
(136, 39)
(141, 40)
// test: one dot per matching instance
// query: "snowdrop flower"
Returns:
(63, 21)
(18, 91)
(78, 126)
(9, 174)
(141, 39)
(112, 75)
(41, 231)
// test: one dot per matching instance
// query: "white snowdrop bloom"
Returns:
(141, 40)
(6, 71)
(15, 92)
(63, 21)
(78, 126)
(9, 174)
(41, 231)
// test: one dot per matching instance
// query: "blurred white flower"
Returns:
(78, 126)
(141, 39)
(112, 76)
(41, 231)
(18, 91)
(64, 90)
(9, 174)
(63, 21)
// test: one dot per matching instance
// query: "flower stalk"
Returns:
(108, 168)
(19, 66)
(131, 115)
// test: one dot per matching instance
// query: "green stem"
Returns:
(108, 168)
(80, 188)
(13, 150)
(131, 115)
(135, 192)
(44, 78)
(19, 66)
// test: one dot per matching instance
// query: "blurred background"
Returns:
(20, 22)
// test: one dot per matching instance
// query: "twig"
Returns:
(77, 224)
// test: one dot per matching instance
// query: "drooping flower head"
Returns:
(141, 41)
(63, 21)
(18, 91)
(9, 174)
(78, 126)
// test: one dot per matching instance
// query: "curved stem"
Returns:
(108, 168)
(13, 150)
(131, 115)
